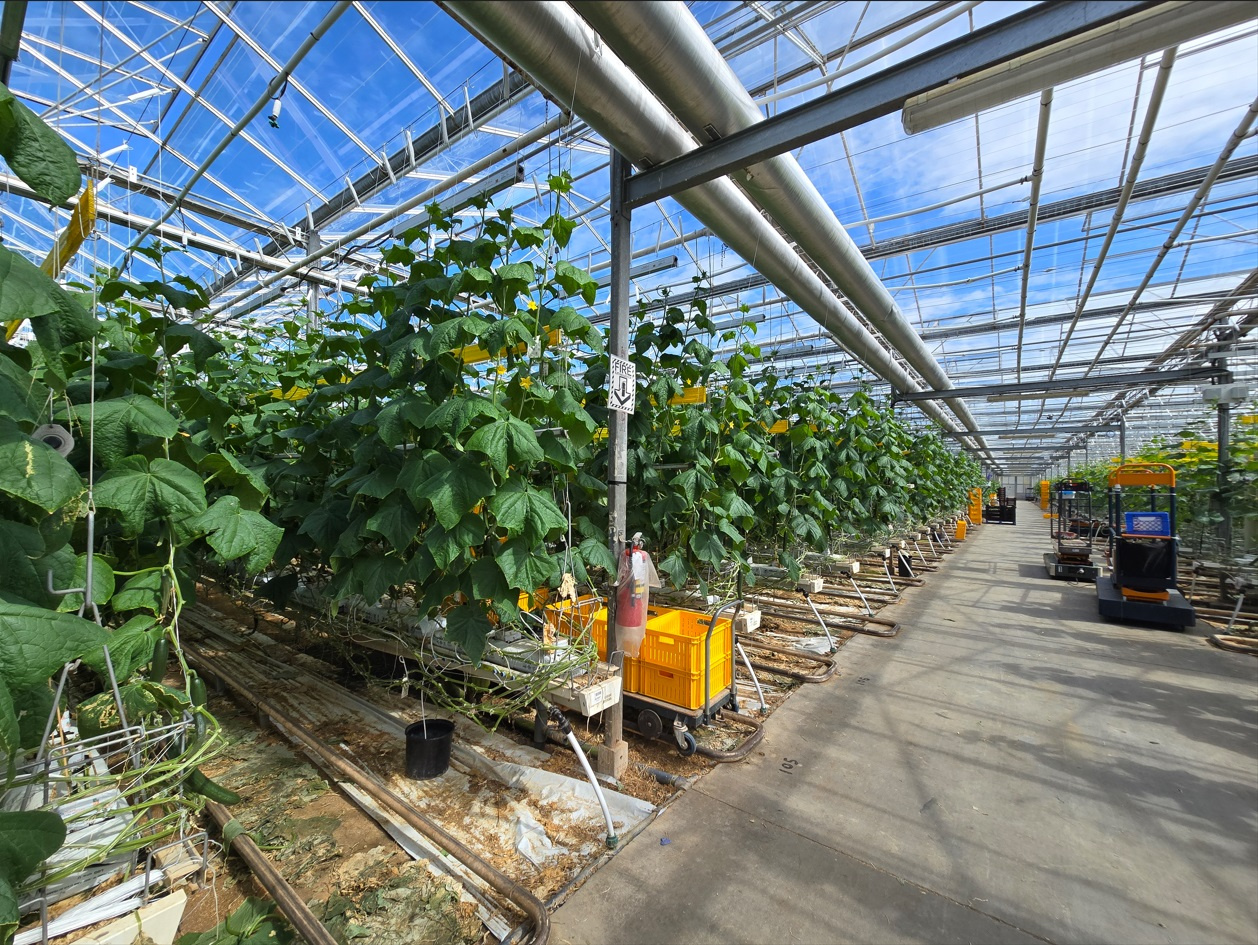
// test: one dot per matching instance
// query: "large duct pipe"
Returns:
(674, 57)
(550, 43)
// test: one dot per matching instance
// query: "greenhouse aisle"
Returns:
(1010, 769)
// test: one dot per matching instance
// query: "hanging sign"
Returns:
(622, 383)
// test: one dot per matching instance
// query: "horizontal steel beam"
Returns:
(1014, 431)
(1099, 382)
(880, 94)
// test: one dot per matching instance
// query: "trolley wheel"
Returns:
(690, 746)
(650, 724)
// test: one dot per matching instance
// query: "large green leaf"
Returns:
(525, 565)
(239, 533)
(35, 472)
(141, 592)
(455, 489)
(396, 521)
(8, 910)
(118, 420)
(34, 708)
(142, 491)
(27, 838)
(521, 509)
(131, 645)
(508, 442)
(10, 733)
(21, 397)
(595, 553)
(453, 415)
(102, 583)
(468, 625)
(707, 548)
(26, 291)
(20, 547)
(36, 153)
(370, 575)
(34, 642)
(245, 484)
(202, 346)
(447, 546)
(488, 582)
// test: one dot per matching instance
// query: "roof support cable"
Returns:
(1233, 142)
(1037, 180)
(1133, 172)
(509, 150)
(272, 87)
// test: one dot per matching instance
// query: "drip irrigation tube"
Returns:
(298, 913)
(524, 900)
(831, 667)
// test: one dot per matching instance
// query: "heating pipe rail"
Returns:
(333, 763)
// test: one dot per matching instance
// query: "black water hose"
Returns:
(291, 904)
(1234, 643)
(524, 900)
(831, 667)
(743, 750)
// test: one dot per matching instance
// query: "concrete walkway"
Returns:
(1010, 769)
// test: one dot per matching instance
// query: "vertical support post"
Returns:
(613, 759)
(313, 243)
(1122, 438)
(1225, 335)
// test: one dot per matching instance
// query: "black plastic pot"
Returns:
(428, 748)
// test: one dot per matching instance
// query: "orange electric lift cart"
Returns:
(1141, 585)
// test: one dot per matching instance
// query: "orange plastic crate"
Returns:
(679, 688)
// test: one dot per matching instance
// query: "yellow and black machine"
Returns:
(1073, 530)
(1141, 585)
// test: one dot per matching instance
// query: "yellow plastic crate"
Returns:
(669, 666)
(680, 688)
(674, 639)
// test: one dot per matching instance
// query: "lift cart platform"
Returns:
(1175, 611)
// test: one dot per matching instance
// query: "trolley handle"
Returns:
(737, 604)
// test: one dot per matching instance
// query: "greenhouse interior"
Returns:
(732, 471)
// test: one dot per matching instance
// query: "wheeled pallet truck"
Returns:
(650, 715)
(1072, 532)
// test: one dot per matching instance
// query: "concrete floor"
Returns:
(1009, 769)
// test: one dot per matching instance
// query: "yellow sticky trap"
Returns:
(690, 395)
(475, 354)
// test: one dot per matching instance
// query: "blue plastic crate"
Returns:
(1148, 524)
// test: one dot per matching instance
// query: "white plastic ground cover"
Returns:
(94, 811)
(112, 903)
(509, 802)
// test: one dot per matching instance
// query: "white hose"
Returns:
(764, 706)
(824, 629)
(598, 791)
